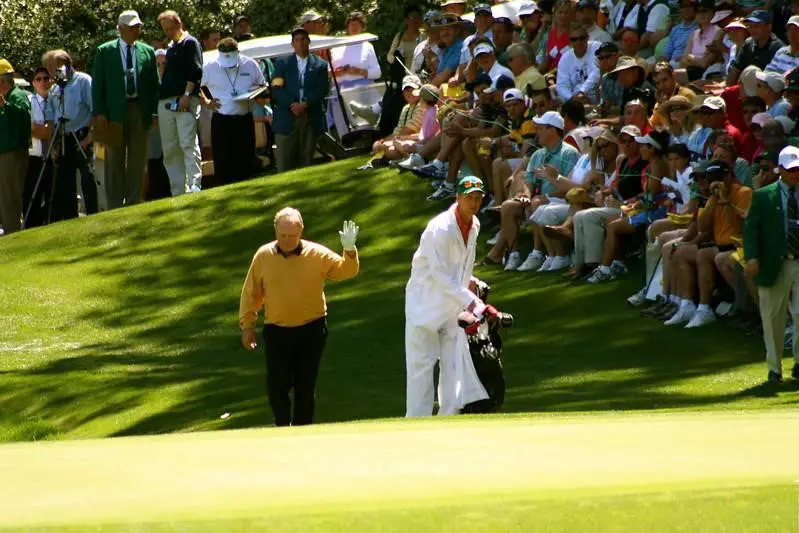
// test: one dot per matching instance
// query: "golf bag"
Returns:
(485, 347)
(393, 99)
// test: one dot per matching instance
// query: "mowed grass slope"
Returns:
(125, 323)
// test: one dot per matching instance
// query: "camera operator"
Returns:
(35, 208)
(70, 105)
(15, 136)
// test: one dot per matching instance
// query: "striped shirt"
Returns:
(411, 118)
(783, 61)
(678, 39)
(563, 158)
(696, 142)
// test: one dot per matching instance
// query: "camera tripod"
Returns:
(58, 142)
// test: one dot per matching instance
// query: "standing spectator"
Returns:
(299, 91)
(313, 23)
(771, 247)
(787, 58)
(156, 181)
(209, 38)
(406, 41)
(36, 207)
(520, 61)
(578, 73)
(242, 30)
(770, 86)
(127, 103)
(70, 105)
(15, 137)
(287, 278)
(232, 127)
(678, 37)
(759, 49)
(587, 11)
(179, 107)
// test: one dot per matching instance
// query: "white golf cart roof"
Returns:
(280, 45)
(507, 9)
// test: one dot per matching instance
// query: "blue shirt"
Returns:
(696, 142)
(77, 102)
(678, 39)
(451, 57)
(780, 108)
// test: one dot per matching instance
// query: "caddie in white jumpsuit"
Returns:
(437, 292)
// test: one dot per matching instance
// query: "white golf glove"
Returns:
(349, 234)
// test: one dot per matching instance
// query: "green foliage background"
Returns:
(28, 28)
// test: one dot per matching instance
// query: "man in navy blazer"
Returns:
(300, 86)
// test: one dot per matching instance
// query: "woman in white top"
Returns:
(697, 57)
(40, 134)
(354, 65)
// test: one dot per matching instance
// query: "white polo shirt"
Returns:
(227, 83)
(497, 70)
(38, 106)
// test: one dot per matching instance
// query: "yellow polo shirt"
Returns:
(290, 287)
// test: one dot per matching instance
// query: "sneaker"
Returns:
(431, 172)
(493, 240)
(411, 162)
(618, 269)
(546, 266)
(682, 316)
(364, 111)
(442, 193)
(597, 276)
(533, 262)
(701, 318)
(655, 309)
(638, 299)
(668, 311)
(513, 262)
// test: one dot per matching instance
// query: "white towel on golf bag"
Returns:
(468, 387)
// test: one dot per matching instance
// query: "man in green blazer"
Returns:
(771, 249)
(124, 97)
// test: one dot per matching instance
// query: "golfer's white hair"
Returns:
(289, 213)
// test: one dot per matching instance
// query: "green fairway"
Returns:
(125, 323)
(665, 472)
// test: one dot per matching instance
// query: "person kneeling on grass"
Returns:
(723, 219)
(647, 207)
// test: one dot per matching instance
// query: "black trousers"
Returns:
(233, 144)
(37, 207)
(64, 193)
(157, 180)
(292, 361)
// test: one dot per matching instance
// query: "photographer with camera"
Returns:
(69, 108)
(15, 136)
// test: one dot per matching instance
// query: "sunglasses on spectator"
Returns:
(41, 78)
(578, 39)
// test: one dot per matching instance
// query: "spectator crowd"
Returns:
(604, 131)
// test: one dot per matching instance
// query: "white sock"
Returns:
(674, 299)
(704, 308)
(438, 164)
(604, 269)
(538, 254)
(687, 304)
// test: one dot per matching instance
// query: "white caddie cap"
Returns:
(789, 158)
(129, 18)
(760, 118)
(512, 94)
(632, 131)
(483, 48)
(550, 118)
(773, 80)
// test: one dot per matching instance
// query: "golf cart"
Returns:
(353, 135)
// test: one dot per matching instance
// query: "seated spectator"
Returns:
(617, 16)
(666, 86)
(757, 50)
(515, 146)
(770, 86)
(451, 44)
(503, 33)
(736, 33)
(773, 135)
(578, 73)
(636, 114)
(410, 123)
(734, 96)
(787, 58)
(722, 148)
(486, 60)
(538, 183)
(520, 61)
(630, 43)
(752, 140)
(530, 16)
(408, 39)
(610, 90)
(712, 113)
(677, 119)
(573, 113)
(679, 34)
(557, 40)
(427, 49)
(639, 212)
(589, 225)
(632, 77)
(587, 12)
(649, 21)
(429, 141)
(697, 57)
(722, 223)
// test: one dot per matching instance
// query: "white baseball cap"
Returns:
(793, 20)
(411, 81)
(129, 18)
(483, 48)
(715, 103)
(789, 158)
(720, 15)
(512, 94)
(632, 131)
(647, 139)
(774, 80)
(748, 80)
(550, 118)
(528, 9)
(760, 118)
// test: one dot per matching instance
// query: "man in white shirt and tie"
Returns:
(229, 78)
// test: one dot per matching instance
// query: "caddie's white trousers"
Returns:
(423, 347)
(180, 145)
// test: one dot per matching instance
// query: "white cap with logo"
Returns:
(789, 158)
(129, 18)
(512, 94)
(483, 48)
(550, 118)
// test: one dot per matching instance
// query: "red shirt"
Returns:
(736, 135)
(735, 111)
(559, 41)
(465, 227)
(750, 147)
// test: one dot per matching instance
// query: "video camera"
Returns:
(61, 76)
